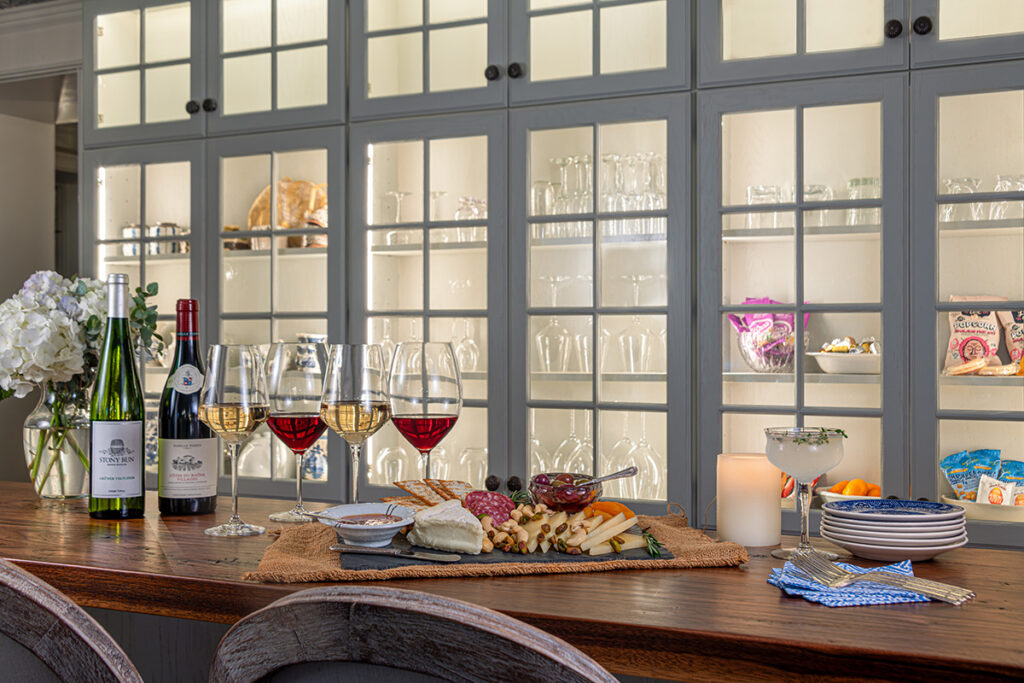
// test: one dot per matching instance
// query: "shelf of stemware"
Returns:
(623, 241)
(286, 254)
(809, 377)
(541, 376)
(416, 249)
(982, 228)
(825, 232)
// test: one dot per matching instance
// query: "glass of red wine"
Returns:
(426, 394)
(295, 378)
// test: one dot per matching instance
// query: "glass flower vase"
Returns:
(56, 441)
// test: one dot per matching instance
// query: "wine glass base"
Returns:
(787, 553)
(235, 528)
(297, 515)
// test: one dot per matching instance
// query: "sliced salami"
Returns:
(490, 503)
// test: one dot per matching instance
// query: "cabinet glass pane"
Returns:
(563, 158)
(458, 171)
(167, 90)
(956, 436)
(552, 4)
(171, 269)
(758, 359)
(561, 357)
(458, 57)
(980, 261)
(561, 440)
(395, 194)
(981, 136)
(246, 281)
(634, 438)
(245, 193)
(117, 99)
(758, 157)
(633, 172)
(247, 84)
(758, 28)
(562, 265)
(118, 258)
(758, 257)
(462, 454)
(245, 332)
(842, 143)
(841, 268)
(394, 65)
(301, 276)
(301, 21)
(168, 32)
(634, 37)
(986, 330)
(302, 77)
(118, 204)
(960, 19)
(456, 10)
(561, 46)
(388, 332)
(631, 355)
(862, 449)
(634, 263)
(395, 273)
(245, 24)
(169, 195)
(117, 39)
(468, 337)
(834, 25)
(838, 379)
(382, 15)
(310, 330)
(458, 271)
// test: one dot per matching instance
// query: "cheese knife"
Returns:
(395, 552)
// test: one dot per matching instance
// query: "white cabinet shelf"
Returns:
(830, 232)
(809, 377)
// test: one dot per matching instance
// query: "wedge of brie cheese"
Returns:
(447, 526)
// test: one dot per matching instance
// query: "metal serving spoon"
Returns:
(621, 474)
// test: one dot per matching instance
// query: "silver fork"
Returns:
(821, 570)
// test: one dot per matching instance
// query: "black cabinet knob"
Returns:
(922, 25)
(209, 104)
(192, 107)
(893, 28)
(492, 73)
(492, 483)
(893, 497)
(514, 484)
(515, 70)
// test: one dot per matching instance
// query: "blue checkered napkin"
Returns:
(793, 582)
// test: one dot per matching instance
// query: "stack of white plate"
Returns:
(894, 530)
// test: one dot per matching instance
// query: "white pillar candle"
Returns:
(749, 500)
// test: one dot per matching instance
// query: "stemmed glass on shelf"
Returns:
(233, 404)
(355, 399)
(295, 381)
(426, 394)
(553, 340)
(636, 342)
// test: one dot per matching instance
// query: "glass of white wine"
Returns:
(355, 400)
(234, 403)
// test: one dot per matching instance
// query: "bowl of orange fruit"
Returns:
(849, 489)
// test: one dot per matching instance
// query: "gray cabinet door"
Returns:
(274, 64)
(958, 31)
(746, 41)
(599, 290)
(275, 270)
(428, 261)
(967, 221)
(418, 56)
(142, 214)
(574, 49)
(801, 192)
(143, 71)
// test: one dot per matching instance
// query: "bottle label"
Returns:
(117, 457)
(187, 379)
(188, 468)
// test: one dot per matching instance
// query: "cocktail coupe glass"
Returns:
(540, 457)
(636, 342)
(805, 453)
(553, 340)
(619, 459)
(398, 196)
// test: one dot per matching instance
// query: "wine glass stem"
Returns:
(354, 450)
(804, 495)
(298, 479)
(234, 482)
(426, 463)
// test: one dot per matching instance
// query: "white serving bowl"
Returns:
(848, 363)
(367, 536)
(830, 497)
(987, 511)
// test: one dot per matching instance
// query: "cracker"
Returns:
(411, 502)
(458, 489)
(420, 490)
(438, 487)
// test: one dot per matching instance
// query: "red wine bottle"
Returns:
(188, 448)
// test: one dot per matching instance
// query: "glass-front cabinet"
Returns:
(968, 275)
(276, 270)
(428, 251)
(599, 291)
(802, 243)
(948, 31)
(146, 205)
(144, 74)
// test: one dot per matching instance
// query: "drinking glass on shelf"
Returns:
(426, 394)
(473, 465)
(962, 212)
(581, 459)
(647, 482)
(540, 198)
(540, 457)
(233, 404)
(763, 194)
(294, 383)
(1004, 209)
(467, 353)
(816, 193)
(355, 402)
(864, 188)
(394, 463)
(398, 197)
(805, 453)
(387, 343)
(553, 340)
(636, 342)
(435, 204)
(619, 459)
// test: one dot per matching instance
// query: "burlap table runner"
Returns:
(301, 555)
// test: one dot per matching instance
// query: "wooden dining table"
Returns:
(690, 624)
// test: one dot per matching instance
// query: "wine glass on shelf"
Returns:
(647, 482)
(294, 383)
(467, 352)
(426, 394)
(354, 402)
(392, 464)
(570, 444)
(540, 457)
(234, 403)
(805, 453)
(387, 342)
(619, 459)
(581, 460)
(435, 203)
(398, 196)
(553, 340)
(636, 342)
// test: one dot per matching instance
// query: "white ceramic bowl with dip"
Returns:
(369, 535)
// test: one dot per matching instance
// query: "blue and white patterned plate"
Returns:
(893, 510)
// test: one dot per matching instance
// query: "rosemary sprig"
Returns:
(653, 545)
(521, 496)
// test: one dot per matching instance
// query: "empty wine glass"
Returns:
(1003, 210)
(394, 463)
(563, 454)
(387, 343)
(435, 204)
(473, 465)
(467, 353)
(581, 459)
(540, 457)
(553, 340)
(636, 342)
(442, 465)
(398, 196)
(647, 482)
(619, 459)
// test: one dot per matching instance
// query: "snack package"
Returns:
(1012, 471)
(964, 470)
(994, 492)
(973, 334)
(1013, 328)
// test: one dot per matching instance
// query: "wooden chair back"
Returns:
(46, 636)
(405, 631)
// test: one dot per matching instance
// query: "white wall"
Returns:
(27, 235)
